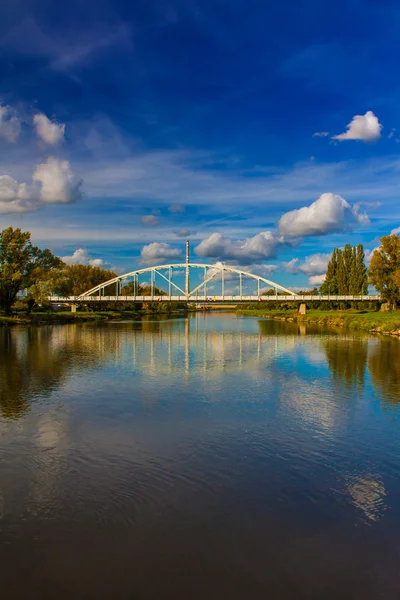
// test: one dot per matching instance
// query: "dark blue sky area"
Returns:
(209, 104)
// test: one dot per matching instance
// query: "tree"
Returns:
(330, 285)
(129, 290)
(77, 279)
(359, 274)
(346, 273)
(384, 270)
(22, 265)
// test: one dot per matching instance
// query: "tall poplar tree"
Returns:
(346, 273)
(330, 285)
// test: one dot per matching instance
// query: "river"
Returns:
(205, 457)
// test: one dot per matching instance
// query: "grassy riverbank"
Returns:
(381, 322)
(43, 318)
(59, 317)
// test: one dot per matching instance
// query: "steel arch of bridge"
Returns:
(188, 293)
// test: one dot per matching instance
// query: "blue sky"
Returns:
(126, 127)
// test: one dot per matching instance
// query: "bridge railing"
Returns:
(219, 298)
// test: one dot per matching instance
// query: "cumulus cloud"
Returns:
(49, 132)
(321, 134)
(176, 208)
(150, 220)
(362, 127)
(257, 269)
(52, 182)
(10, 124)
(81, 257)
(57, 182)
(16, 197)
(316, 279)
(262, 246)
(182, 232)
(315, 264)
(330, 213)
(159, 252)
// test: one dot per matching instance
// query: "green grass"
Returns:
(385, 322)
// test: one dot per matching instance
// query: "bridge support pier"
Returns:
(303, 309)
(73, 308)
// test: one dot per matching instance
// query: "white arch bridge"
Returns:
(248, 287)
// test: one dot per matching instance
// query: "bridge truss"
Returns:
(112, 290)
(165, 273)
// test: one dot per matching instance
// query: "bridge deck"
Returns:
(200, 299)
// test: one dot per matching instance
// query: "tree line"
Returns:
(347, 274)
(39, 273)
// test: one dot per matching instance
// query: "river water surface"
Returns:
(212, 457)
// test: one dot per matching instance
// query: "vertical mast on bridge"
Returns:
(187, 288)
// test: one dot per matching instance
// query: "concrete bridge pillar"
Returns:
(73, 308)
(302, 309)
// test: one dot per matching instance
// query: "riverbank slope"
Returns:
(78, 317)
(374, 322)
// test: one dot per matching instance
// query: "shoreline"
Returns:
(63, 318)
(386, 323)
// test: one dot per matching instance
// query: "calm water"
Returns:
(214, 457)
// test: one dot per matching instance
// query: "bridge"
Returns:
(248, 287)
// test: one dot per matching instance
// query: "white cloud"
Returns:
(51, 133)
(10, 124)
(368, 254)
(82, 257)
(52, 182)
(57, 181)
(176, 208)
(328, 214)
(260, 269)
(320, 133)
(316, 279)
(262, 246)
(182, 232)
(16, 197)
(158, 252)
(362, 127)
(315, 264)
(395, 231)
(150, 220)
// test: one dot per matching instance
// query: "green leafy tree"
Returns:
(330, 285)
(346, 273)
(384, 270)
(129, 290)
(22, 265)
(359, 274)
(76, 279)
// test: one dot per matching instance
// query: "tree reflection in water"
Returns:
(347, 360)
(36, 360)
(384, 367)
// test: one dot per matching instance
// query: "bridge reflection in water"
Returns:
(37, 361)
